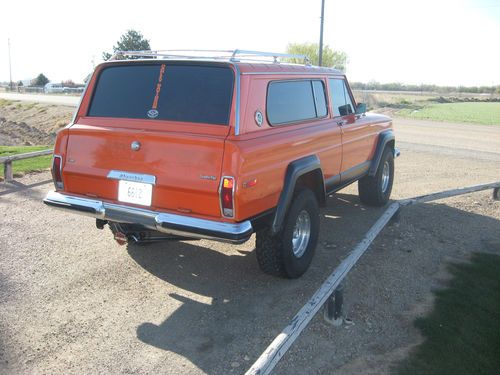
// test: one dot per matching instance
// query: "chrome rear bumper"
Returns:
(163, 222)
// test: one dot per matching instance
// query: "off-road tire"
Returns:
(370, 188)
(275, 252)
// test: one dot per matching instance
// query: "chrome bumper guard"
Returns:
(163, 222)
(397, 152)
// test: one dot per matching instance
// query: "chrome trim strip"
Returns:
(237, 104)
(163, 222)
(130, 176)
(304, 73)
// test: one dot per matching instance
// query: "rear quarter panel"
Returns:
(264, 152)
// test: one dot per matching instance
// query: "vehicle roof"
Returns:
(250, 67)
(284, 68)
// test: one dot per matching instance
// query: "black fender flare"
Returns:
(383, 139)
(294, 170)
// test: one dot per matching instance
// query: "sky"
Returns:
(443, 42)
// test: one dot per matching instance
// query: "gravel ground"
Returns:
(72, 301)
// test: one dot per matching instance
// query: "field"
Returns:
(473, 110)
(27, 165)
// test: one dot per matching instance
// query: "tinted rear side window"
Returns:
(187, 93)
(293, 101)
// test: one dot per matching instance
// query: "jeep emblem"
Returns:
(259, 118)
(135, 146)
(152, 113)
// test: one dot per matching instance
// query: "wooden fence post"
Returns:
(7, 171)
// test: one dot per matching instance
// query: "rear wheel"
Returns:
(376, 190)
(289, 252)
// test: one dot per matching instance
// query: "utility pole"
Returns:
(320, 61)
(10, 67)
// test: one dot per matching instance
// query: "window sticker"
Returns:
(153, 112)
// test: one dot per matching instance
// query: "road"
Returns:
(467, 140)
(67, 100)
(72, 301)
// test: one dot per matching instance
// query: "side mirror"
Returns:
(361, 108)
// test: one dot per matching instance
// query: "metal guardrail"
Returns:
(7, 161)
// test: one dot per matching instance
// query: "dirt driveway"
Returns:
(72, 301)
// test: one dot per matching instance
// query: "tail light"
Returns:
(227, 196)
(57, 172)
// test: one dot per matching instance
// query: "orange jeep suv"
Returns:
(166, 146)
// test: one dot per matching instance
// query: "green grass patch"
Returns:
(462, 333)
(26, 165)
(5, 102)
(470, 112)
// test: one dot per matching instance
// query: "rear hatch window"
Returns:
(164, 91)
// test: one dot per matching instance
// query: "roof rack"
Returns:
(198, 54)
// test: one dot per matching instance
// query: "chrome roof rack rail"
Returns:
(236, 55)
(239, 54)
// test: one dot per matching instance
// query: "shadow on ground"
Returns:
(230, 311)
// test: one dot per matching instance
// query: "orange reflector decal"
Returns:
(250, 183)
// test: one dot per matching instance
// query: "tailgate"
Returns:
(186, 167)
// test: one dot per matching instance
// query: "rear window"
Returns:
(294, 101)
(187, 93)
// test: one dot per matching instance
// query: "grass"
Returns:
(27, 165)
(454, 108)
(462, 334)
(5, 102)
(471, 112)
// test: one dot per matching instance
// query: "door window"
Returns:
(342, 104)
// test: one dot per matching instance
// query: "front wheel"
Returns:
(376, 190)
(289, 253)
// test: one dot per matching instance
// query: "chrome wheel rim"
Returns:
(301, 233)
(386, 175)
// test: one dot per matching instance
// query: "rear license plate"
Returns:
(135, 192)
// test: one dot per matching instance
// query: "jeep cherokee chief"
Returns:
(164, 147)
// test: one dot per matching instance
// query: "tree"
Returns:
(41, 80)
(68, 83)
(132, 40)
(331, 58)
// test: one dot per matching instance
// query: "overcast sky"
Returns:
(444, 42)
